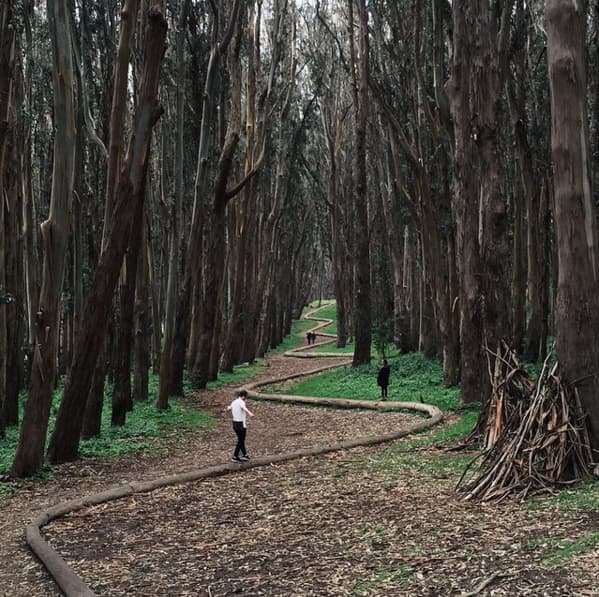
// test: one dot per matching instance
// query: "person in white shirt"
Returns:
(239, 411)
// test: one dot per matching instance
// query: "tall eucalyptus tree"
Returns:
(361, 240)
(64, 443)
(474, 90)
(192, 280)
(577, 300)
(118, 112)
(7, 65)
(54, 235)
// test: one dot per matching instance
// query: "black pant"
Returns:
(383, 391)
(240, 431)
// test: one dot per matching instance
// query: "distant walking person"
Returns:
(239, 411)
(382, 379)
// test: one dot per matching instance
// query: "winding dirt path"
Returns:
(278, 433)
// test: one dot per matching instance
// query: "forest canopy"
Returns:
(181, 178)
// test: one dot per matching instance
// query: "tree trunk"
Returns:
(30, 450)
(64, 443)
(191, 278)
(78, 227)
(169, 323)
(412, 288)
(577, 301)
(92, 424)
(362, 300)
(121, 394)
(242, 301)
(92, 414)
(156, 315)
(518, 272)
(7, 51)
(333, 130)
(31, 258)
(141, 348)
(474, 93)
(214, 267)
(15, 321)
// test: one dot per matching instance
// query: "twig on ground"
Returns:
(482, 585)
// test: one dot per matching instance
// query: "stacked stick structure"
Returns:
(535, 433)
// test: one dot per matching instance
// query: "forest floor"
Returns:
(368, 521)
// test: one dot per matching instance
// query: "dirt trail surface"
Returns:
(275, 428)
(339, 524)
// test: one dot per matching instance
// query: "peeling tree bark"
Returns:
(577, 300)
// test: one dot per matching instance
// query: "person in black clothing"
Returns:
(382, 378)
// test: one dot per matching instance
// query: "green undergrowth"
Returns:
(413, 378)
(320, 303)
(327, 312)
(295, 338)
(583, 497)
(420, 453)
(143, 423)
(558, 552)
(390, 352)
(383, 577)
(240, 374)
(347, 349)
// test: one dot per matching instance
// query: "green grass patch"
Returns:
(328, 312)
(7, 449)
(584, 496)
(142, 424)
(298, 327)
(391, 351)
(411, 454)
(558, 552)
(448, 433)
(413, 377)
(319, 303)
(8, 488)
(383, 579)
(439, 465)
(240, 374)
(347, 349)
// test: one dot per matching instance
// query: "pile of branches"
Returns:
(535, 435)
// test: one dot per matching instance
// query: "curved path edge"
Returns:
(74, 586)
